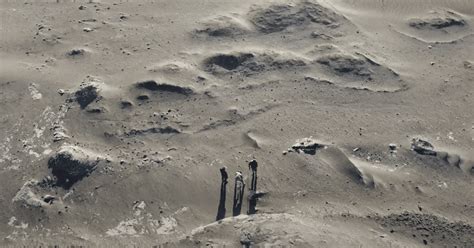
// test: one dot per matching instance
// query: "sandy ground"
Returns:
(116, 116)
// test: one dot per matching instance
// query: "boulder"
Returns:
(71, 164)
(422, 147)
(308, 146)
(86, 94)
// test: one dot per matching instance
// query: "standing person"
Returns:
(253, 166)
(238, 193)
(253, 188)
(221, 208)
(224, 175)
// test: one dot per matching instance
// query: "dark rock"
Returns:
(76, 52)
(392, 147)
(308, 146)
(422, 147)
(143, 97)
(157, 130)
(96, 109)
(71, 164)
(86, 94)
(49, 199)
(125, 104)
(152, 85)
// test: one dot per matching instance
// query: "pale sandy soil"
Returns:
(115, 117)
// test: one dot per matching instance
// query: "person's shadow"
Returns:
(221, 209)
(252, 202)
(238, 197)
(253, 195)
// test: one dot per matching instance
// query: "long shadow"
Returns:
(253, 186)
(238, 197)
(221, 209)
(252, 203)
(253, 195)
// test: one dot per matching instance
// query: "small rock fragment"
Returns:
(76, 52)
(392, 146)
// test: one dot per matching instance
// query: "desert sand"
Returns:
(116, 116)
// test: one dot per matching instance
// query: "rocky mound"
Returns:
(345, 64)
(349, 65)
(360, 72)
(169, 67)
(71, 164)
(250, 63)
(276, 18)
(222, 26)
(248, 231)
(438, 20)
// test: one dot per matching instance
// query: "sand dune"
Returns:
(117, 116)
